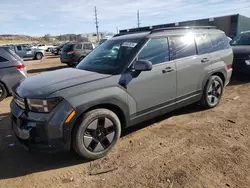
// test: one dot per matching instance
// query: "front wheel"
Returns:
(212, 92)
(97, 134)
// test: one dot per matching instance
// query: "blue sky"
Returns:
(39, 17)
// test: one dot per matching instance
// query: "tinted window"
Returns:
(19, 48)
(204, 44)
(79, 46)
(2, 59)
(242, 39)
(156, 51)
(183, 46)
(217, 42)
(88, 46)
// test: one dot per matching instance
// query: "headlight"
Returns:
(247, 62)
(43, 106)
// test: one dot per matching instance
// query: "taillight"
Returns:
(21, 66)
(229, 66)
(71, 52)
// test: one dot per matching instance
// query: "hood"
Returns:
(241, 52)
(42, 85)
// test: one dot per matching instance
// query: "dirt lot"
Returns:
(187, 148)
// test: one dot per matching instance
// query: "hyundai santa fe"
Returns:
(126, 80)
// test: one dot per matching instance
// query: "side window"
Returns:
(183, 46)
(88, 46)
(2, 59)
(217, 42)
(19, 48)
(156, 51)
(79, 46)
(204, 44)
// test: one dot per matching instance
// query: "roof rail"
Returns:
(128, 33)
(177, 28)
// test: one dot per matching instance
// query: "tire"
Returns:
(80, 59)
(38, 56)
(212, 92)
(3, 92)
(96, 134)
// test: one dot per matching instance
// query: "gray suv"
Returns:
(126, 80)
(12, 71)
(73, 53)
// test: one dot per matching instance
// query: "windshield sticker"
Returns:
(129, 44)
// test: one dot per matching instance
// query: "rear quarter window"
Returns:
(217, 42)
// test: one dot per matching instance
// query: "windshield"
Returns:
(110, 57)
(242, 39)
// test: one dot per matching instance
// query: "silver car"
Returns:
(12, 71)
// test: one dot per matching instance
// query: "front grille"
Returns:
(19, 101)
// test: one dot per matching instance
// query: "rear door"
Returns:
(79, 51)
(191, 67)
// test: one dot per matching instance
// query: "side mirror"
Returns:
(143, 65)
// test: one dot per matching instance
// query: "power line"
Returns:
(96, 24)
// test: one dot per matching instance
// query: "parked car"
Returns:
(73, 53)
(43, 47)
(126, 80)
(57, 50)
(11, 71)
(241, 50)
(26, 52)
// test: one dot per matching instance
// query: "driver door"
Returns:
(155, 90)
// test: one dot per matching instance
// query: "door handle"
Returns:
(167, 69)
(204, 60)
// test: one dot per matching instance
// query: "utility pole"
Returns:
(96, 24)
(138, 18)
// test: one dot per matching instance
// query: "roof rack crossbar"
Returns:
(187, 27)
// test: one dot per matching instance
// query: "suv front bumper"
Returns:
(43, 131)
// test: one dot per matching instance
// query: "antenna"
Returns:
(96, 24)
(138, 19)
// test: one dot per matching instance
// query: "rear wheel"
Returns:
(212, 92)
(98, 132)
(3, 92)
(38, 56)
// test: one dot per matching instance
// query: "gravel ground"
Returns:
(186, 148)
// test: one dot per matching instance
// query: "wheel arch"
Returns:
(219, 73)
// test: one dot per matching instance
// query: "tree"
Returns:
(47, 37)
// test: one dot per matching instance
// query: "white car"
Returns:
(43, 47)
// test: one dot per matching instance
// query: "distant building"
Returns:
(231, 25)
